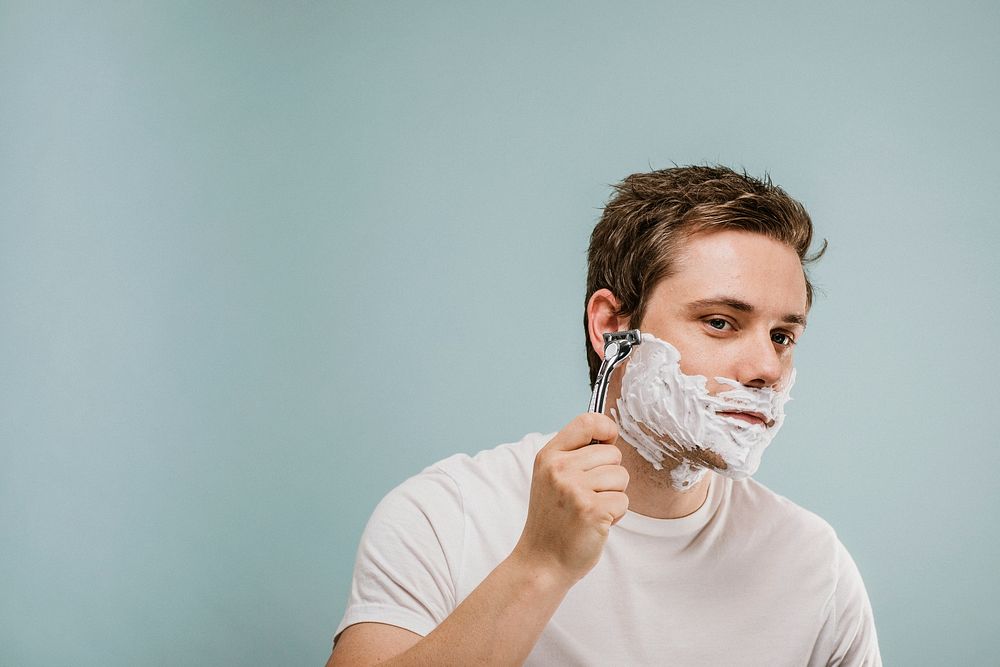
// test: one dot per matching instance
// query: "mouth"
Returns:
(755, 418)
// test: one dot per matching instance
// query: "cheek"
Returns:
(709, 363)
(786, 374)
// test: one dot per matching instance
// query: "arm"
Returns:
(577, 493)
(498, 623)
(855, 641)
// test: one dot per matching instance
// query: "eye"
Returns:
(783, 339)
(718, 323)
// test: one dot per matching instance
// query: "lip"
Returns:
(749, 417)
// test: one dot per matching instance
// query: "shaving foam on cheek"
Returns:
(662, 411)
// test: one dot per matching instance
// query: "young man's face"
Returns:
(734, 307)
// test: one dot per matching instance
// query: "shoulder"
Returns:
(805, 541)
(797, 541)
(412, 563)
(773, 513)
(448, 486)
(504, 463)
(806, 551)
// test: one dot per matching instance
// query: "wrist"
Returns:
(543, 576)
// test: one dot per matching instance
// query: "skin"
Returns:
(702, 311)
(580, 490)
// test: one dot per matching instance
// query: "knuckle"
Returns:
(613, 454)
(556, 465)
(560, 482)
(586, 507)
(594, 421)
(623, 502)
(549, 471)
(607, 423)
(550, 476)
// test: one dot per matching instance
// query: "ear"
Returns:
(601, 318)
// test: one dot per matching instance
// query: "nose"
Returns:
(760, 363)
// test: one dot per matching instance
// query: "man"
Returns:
(652, 545)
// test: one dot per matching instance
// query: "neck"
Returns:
(651, 492)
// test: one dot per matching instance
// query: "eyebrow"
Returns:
(743, 307)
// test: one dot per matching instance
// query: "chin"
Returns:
(735, 470)
(706, 458)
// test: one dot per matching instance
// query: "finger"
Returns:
(607, 478)
(588, 458)
(585, 429)
(614, 503)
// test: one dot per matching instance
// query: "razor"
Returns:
(617, 346)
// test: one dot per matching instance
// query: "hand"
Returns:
(577, 494)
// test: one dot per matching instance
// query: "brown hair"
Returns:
(632, 247)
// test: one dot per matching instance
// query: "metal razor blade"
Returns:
(617, 346)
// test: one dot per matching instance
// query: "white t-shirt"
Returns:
(748, 579)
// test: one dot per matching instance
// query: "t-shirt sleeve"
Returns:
(855, 643)
(407, 561)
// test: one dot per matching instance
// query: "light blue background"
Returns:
(261, 262)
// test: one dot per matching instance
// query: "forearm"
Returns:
(498, 623)
(577, 494)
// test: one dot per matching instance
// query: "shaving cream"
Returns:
(664, 412)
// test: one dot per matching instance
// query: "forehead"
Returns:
(742, 265)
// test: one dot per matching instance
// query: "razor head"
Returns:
(630, 337)
(617, 346)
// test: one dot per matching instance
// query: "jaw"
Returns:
(706, 458)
